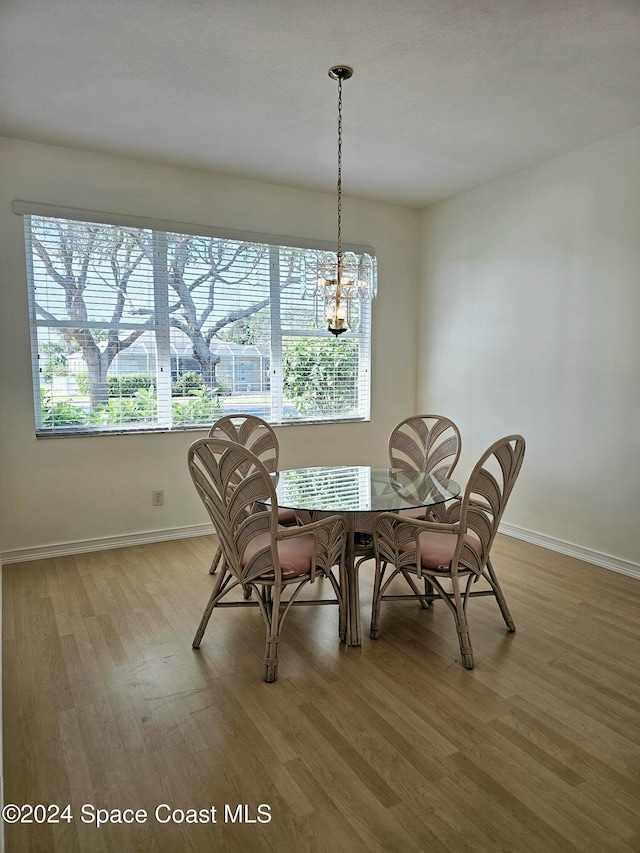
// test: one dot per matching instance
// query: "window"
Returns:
(144, 328)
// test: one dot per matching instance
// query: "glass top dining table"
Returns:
(358, 493)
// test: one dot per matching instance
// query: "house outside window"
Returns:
(145, 329)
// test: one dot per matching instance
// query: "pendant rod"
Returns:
(339, 73)
(339, 186)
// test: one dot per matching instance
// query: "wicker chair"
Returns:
(259, 437)
(259, 554)
(430, 444)
(456, 550)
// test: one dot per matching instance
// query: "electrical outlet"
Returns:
(157, 498)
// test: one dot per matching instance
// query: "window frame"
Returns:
(161, 327)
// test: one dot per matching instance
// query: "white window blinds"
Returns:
(146, 328)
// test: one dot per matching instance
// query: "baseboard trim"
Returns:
(22, 555)
(625, 567)
(43, 552)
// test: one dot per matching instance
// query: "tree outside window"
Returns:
(138, 329)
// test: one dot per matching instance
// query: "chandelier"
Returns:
(344, 278)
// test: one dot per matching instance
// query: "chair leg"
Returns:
(344, 589)
(273, 636)
(427, 586)
(466, 652)
(502, 602)
(208, 610)
(342, 615)
(340, 589)
(377, 600)
(215, 561)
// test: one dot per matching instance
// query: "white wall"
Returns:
(61, 491)
(529, 307)
(530, 318)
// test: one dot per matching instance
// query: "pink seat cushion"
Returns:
(418, 512)
(295, 554)
(286, 516)
(436, 549)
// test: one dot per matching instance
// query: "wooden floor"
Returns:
(389, 747)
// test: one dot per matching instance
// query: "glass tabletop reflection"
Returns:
(360, 488)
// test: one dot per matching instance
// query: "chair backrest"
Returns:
(253, 433)
(486, 495)
(234, 486)
(427, 443)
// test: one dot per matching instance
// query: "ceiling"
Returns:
(446, 94)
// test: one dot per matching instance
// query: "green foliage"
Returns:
(82, 381)
(191, 380)
(248, 330)
(224, 388)
(56, 365)
(50, 347)
(61, 413)
(318, 375)
(203, 409)
(140, 408)
(128, 384)
(123, 385)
